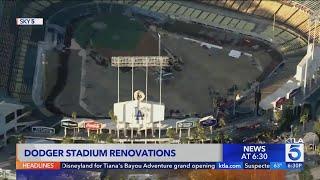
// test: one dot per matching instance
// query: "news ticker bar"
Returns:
(158, 165)
(160, 153)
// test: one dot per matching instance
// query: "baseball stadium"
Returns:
(240, 61)
(216, 48)
(264, 42)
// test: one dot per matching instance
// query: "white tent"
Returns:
(235, 54)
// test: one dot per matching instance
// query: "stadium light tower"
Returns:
(160, 79)
(159, 53)
(147, 64)
(118, 82)
(306, 66)
(139, 61)
(132, 81)
(313, 20)
(314, 34)
(273, 24)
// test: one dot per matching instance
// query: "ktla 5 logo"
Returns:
(294, 153)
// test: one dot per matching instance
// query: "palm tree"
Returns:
(109, 139)
(226, 138)
(218, 138)
(113, 118)
(199, 133)
(222, 122)
(304, 119)
(66, 140)
(277, 116)
(316, 128)
(74, 115)
(295, 131)
(21, 139)
(202, 135)
(100, 137)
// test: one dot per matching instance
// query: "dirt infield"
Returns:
(188, 91)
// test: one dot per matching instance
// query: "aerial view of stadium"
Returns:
(159, 72)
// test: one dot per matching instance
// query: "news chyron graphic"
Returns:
(154, 156)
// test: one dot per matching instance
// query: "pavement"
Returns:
(315, 172)
(8, 157)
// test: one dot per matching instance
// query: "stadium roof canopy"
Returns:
(7, 108)
(312, 5)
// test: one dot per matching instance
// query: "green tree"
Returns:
(74, 115)
(92, 138)
(226, 138)
(222, 138)
(113, 118)
(202, 134)
(318, 149)
(277, 115)
(199, 133)
(106, 178)
(67, 140)
(184, 140)
(109, 139)
(218, 138)
(305, 174)
(21, 139)
(295, 131)
(171, 133)
(316, 128)
(303, 119)
(222, 122)
(100, 137)
(267, 135)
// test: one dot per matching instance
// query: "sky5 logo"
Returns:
(294, 153)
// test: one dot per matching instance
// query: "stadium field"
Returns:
(106, 32)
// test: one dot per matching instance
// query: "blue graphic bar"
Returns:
(254, 152)
(295, 166)
(278, 165)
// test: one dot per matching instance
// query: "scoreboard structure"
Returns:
(138, 114)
